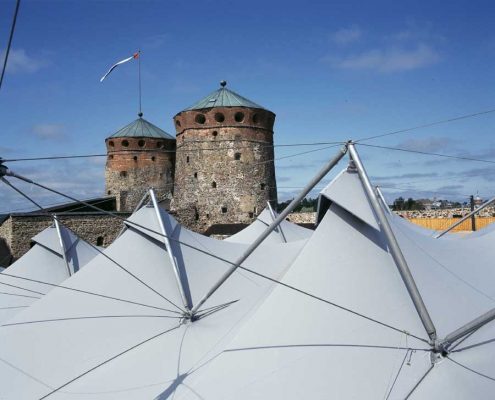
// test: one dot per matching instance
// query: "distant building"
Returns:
(478, 201)
(426, 203)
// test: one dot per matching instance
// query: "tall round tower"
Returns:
(139, 156)
(225, 172)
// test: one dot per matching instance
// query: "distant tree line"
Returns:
(400, 204)
(307, 205)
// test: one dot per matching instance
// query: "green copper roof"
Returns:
(223, 97)
(142, 128)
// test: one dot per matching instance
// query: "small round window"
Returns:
(125, 143)
(200, 119)
(256, 118)
(219, 117)
(177, 122)
(141, 143)
(159, 144)
(214, 133)
(239, 116)
(111, 143)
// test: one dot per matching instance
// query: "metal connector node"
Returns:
(188, 317)
(441, 348)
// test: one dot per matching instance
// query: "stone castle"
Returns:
(218, 171)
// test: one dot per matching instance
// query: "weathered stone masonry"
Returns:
(224, 165)
(96, 228)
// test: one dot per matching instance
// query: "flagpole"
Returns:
(139, 79)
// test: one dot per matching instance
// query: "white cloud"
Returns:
(430, 144)
(49, 131)
(394, 59)
(21, 62)
(346, 35)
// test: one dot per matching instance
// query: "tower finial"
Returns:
(140, 114)
(223, 83)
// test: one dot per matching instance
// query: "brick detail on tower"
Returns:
(134, 165)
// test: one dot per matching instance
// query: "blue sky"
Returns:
(331, 71)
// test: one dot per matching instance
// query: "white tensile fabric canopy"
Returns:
(332, 320)
(297, 346)
(41, 268)
(119, 330)
(285, 232)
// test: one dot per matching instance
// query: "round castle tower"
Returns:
(139, 156)
(225, 172)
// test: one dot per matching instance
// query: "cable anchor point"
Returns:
(188, 317)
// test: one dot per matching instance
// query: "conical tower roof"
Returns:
(223, 97)
(142, 128)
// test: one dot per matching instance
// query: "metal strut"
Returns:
(279, 229)
(471, 326)
(394, 247)
(166, 234)
(384, 202)
(270, 228)
(139, 205)
(62, 244)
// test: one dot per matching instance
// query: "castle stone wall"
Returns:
(5, 243)
(224, 166)
(98, 229)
